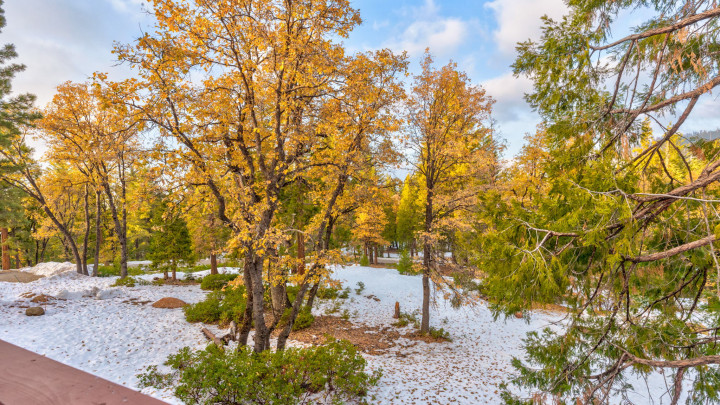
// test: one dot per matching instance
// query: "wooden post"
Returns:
(213, 263)
(301, 253)
(397, 310)
(4, 235)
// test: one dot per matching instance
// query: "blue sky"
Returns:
(71, 39)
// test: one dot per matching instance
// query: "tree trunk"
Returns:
(375, 255)
(86, 236)
(247, 316)
(119, 229)
(5, 252)
(311, 296)
(17, 259)
(282, 338)
(258, 290)
(301, 253)
(213, 263)
(174, 270)
(98, 233)
(427, 264)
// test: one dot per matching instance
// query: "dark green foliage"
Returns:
(405, 265)
(364, 261)
(361, 288)
(292, 376)
(114, 270)
(124, 282)
(304, 320)
(440, 334)
(219, 306)
(170, 243)
(216, 281)
(328, 293)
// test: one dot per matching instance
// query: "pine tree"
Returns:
(170, 242)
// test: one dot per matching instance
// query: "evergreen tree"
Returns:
(170, 242)
(620, 228)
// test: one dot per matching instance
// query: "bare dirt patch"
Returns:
(12, 276)
(368, 339)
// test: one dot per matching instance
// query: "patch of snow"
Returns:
(50, 269)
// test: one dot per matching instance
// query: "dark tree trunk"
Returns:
(5, 250)
(311, 296)
(248, 315)
(213, 263)
(98, 233)
(86, 236)
(375, 255)
(427, 264)
(301, 253)
(119, 229)
(261, 337)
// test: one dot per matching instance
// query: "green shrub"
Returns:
(344, 294)
(216, 281)
(327, 293)
(219, 306)
(404, 265)
(215, 376)
(304, 320)
(364, 261)
(440, 334)
(361, 288)
(124, 282)
(111, 271)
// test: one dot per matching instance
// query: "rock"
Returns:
(34, 311)
(169, 302)
(518, 315)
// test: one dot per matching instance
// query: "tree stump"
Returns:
(397, 310)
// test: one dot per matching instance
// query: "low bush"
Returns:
(327, 293)
(364, 261)
(124, 282)
(304, 320)
(216, 281)
(219, 306)
(334, 373)
(440, 334)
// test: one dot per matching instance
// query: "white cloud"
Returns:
(429, 29)
(519, 20)
(508, 91)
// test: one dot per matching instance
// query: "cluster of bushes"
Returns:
(334, 373)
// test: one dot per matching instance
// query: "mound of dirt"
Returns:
(42, 298)
(169, 302)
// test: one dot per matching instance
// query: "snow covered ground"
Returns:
(103, 330)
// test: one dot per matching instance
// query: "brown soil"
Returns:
(370, 340)
(169, 302)
(42, 298)
(12, 276)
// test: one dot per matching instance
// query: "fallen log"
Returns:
(211, 336)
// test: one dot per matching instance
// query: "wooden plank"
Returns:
(28, 378)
